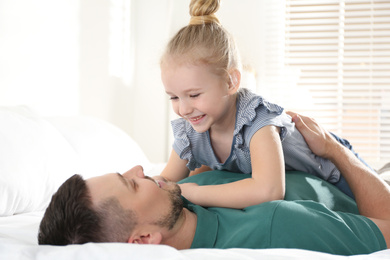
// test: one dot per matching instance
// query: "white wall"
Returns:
(39, 63)
(58, 57)
(72, 57)
(137, 105)
(150, 107)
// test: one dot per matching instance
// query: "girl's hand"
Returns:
(189, 190)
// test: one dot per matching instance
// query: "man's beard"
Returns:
(170, 219)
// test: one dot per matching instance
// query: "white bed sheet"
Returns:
(18, 240)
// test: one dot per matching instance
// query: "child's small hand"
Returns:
(188, 190)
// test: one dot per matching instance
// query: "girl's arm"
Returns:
(267, 182)
(176, 168)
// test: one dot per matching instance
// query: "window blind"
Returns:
(335, 66)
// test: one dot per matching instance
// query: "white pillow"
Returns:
(38, 154)
(100, 146)
(34, 160)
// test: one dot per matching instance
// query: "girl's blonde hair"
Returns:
(204, 40)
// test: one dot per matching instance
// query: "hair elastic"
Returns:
(204, 19)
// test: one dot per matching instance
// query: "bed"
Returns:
(38, 153)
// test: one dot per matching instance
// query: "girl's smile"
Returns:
(196, 120)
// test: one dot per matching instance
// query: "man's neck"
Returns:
(182, 235)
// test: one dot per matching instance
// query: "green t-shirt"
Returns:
(314, 215)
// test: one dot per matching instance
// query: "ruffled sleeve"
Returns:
(254, 112)
(182, 144)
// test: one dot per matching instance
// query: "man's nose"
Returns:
(135, 171)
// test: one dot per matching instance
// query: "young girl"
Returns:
(224, 128)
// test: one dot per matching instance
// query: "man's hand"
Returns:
(372, 194)
(318, 139)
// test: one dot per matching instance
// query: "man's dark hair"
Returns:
(71, 218)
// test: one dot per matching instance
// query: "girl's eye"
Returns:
(173, 98)
(194, 96)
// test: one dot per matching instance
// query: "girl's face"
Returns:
(198, 95)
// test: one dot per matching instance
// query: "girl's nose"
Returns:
(185, 108)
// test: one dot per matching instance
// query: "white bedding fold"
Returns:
(18, 240)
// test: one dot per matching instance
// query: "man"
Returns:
(134, 208)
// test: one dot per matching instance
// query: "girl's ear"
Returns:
(234, 81)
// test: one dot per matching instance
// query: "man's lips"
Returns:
(160, 181)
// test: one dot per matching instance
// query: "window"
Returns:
(333, 63)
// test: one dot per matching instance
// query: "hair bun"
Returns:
(204, 19)
(203, 11)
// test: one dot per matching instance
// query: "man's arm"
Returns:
(372, 194)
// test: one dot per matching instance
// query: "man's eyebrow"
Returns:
(123, 180)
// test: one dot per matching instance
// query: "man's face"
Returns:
(154, 201)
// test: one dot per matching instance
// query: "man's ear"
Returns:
(153, 238)
(234, 81)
